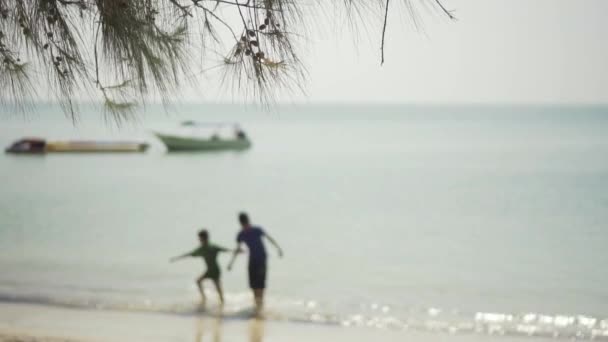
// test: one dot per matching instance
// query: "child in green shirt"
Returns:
(209, 253)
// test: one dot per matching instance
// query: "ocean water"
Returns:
(464, 220)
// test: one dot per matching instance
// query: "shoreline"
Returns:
(37, 323)
(21, 322)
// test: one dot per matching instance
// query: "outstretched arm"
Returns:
(275, 244)
(179, 257)
(235, 253)
(224, 249)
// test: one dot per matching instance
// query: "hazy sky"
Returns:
(497, 51)
(507, 51)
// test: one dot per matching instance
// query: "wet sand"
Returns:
(36, 323)
(24, 337)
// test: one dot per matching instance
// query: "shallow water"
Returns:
(475, 219)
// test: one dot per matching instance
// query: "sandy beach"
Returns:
(35, 323)
(24, 337)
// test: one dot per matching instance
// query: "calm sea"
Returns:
(473, 220)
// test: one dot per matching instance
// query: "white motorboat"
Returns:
(192, 138)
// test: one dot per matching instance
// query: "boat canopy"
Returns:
(27, 145)
(192, 123)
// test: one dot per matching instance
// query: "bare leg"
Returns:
(218, 287)
(199, 283)
(258, 295)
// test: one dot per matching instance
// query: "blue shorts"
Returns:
(257, 274)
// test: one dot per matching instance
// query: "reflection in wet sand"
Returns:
(213, 327)
(256, 330)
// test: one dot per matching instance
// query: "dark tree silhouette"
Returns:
(127, 50)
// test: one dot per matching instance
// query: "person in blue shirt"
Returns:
(252, 236)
